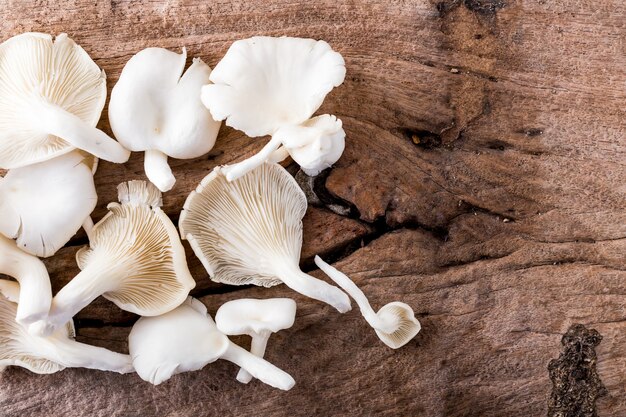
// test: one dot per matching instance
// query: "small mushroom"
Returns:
(265, 84)
(33, 279)
(186, 339)
(43, 205)
(157, 109)
(46, 355)
(51, 97)
(395, 323)
(315, 144)
(255, 318)
(134, 259)
(249, 231)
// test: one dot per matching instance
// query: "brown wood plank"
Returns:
(485, 167)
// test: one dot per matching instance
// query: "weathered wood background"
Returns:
(484, 176)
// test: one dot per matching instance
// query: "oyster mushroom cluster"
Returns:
(243, 221)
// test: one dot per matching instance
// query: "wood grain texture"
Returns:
(484, 184)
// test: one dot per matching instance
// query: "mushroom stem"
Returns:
(85, 287)
(259, 343)
(314, 288)
(239, 169)
(355, 292)
(73, 354)
(31, 273)
(279, 155)
(259, 368)
(88, 227)
(54, 120)
(158, 170)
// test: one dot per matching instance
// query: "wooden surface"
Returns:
(482, 183)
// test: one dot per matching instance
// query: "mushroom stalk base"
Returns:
(31, 273)
(96, 279)
(54, 120)
(259, 344)
(259, 368)
(72, 354)
(355, 292)
(314, 288)
(241, 168)
(158, 170)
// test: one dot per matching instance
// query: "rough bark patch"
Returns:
(576, 385)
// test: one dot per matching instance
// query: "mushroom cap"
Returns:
(138, 235)
(264, 83)
(43, 205)
(252, 316)
(33, 65)
(185, 339)
(16, 343)
(240, 229)
(153, 108)
(408, 325)
(320, 143)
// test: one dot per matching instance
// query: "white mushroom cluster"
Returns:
(243, 221)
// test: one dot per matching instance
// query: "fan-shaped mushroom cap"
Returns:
(407, 325)
(140, 236)
(50, 354)
(249, 231)
(135, 259)
(43, 205)
(51, 97)
(264, 83)
(251, 316)
(34, 281)
(316, 144)
(186, 339)
(153, 108)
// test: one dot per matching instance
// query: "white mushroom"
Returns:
(265, 84)
(315, 144)
(43, 205)
(51, 97)
(32, 275)
(135, 259)
(45, 355)
(395, 323)
(249, 231)
(255, 318)
(157, 109)
(186, 339)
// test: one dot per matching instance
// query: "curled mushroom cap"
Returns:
(186, 339)
(256, 318)
(157, 109)
(249, 231)
(395, 323)
(265, 84)
(45, 355)
(32, 275)
(315, 144)
(51, 97)
(135, 259)
(43, 205)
